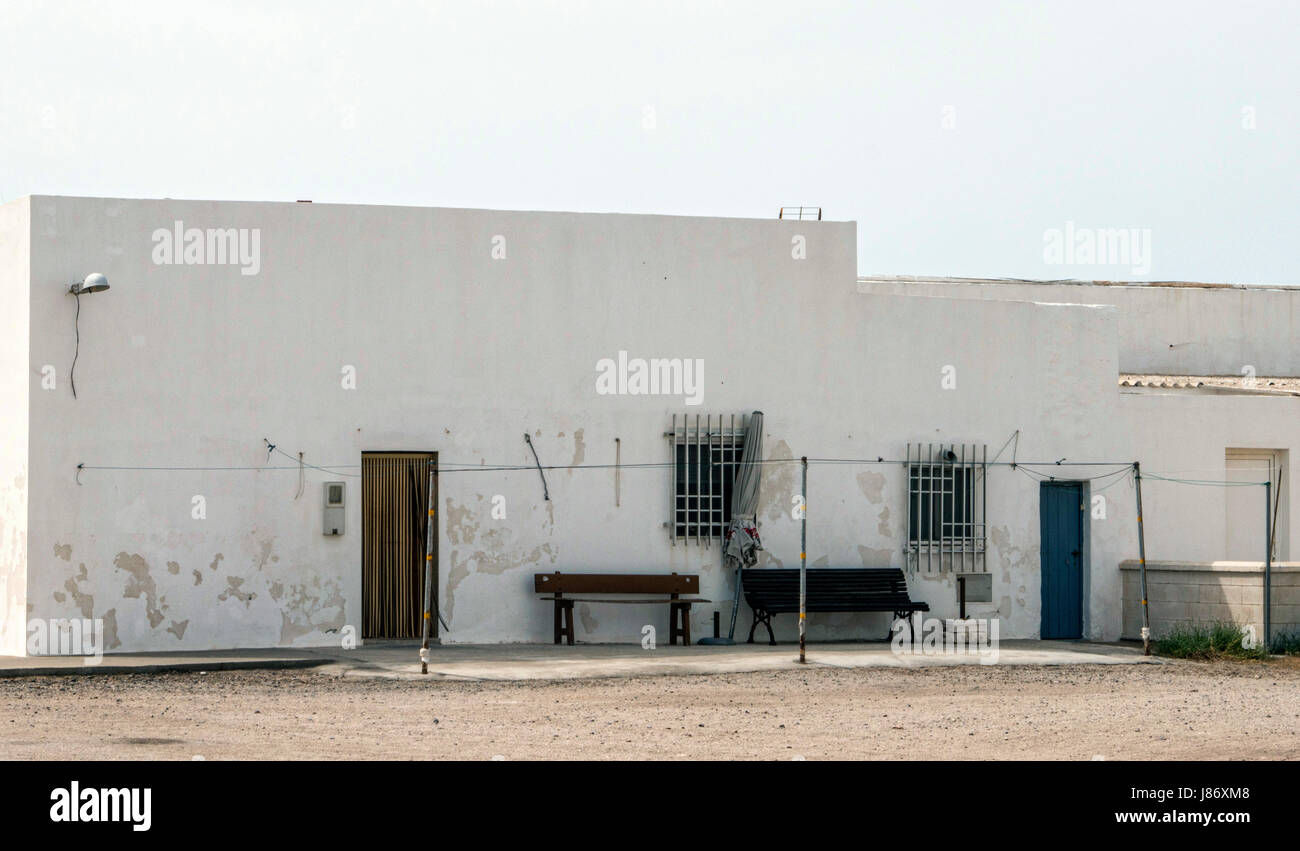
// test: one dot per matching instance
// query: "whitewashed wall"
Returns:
(460, 353)
(1175, 330)
(15, 384)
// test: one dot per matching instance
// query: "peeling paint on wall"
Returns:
(173, 567)
(579, 447)
(462, 527)
(111, 641)
(85, 602)
(490, 557)
(140, 583)
(233, 590)
(883, 527)
(1011, 557)
(264, 554)
(778, 482)
(308, 609)
(178, 629)
(875, 557)
(63, 551)
(872, 486)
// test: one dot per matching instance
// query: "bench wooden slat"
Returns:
(672, 586)
(616, 583)
(626, 600)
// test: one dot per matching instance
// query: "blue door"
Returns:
(1060, 510)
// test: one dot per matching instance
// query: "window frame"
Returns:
(946, 493)
(705, 452)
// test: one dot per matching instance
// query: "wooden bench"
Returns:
(672, 585)
(773, 590)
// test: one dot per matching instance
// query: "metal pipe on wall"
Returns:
(1268, 566)
(1142, 563)
(428, 578)
(803, 563)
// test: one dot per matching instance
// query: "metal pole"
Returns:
(1142, 563)
(803, 564)
(1268, 566)
(428, 578)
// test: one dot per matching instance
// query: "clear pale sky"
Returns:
(1104, 114)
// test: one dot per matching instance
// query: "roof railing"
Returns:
(800, 213)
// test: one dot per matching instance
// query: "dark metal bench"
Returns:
(773, 590)
(672, 585)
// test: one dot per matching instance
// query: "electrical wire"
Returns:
(1026, 468)
(465, 467)
(1204, 482)
(76, 327)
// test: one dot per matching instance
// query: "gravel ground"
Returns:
(1184, 710)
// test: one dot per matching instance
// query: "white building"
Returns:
(152, 501)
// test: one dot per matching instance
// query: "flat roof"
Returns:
(1075, 282)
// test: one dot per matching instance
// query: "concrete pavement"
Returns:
(549, 662)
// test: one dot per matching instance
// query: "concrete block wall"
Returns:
(1185, 593)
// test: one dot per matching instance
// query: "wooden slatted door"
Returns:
(394, 509)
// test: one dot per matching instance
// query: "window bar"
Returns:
(965, 529)
(968, 507)
(929, 473)
(708, 432)
(974, 508)
(672, 478)
(984, 480)
(686, 462)
(697, 480)
(959, 507)
(941, 472)
(724, 468)
(907, 475)
(921, 534)
(970, 497)
(941, 475)
(949, 471)
(943, 467)
(945, 507)
(914, 501)
(936, 473)
(730, 477)
(957, 533)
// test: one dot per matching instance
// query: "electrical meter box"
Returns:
(334, 508)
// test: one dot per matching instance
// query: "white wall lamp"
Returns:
(93, 283)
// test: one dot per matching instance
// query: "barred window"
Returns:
(706, 451)
(945, 507)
